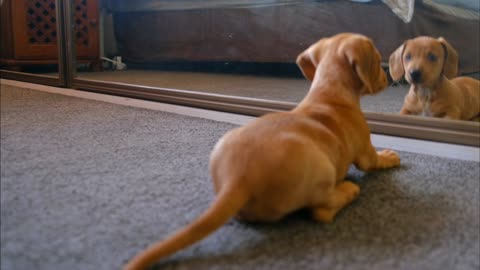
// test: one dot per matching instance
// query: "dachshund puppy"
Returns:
(286, 161)
(430, 66)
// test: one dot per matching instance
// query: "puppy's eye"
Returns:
(431, 57)
(408, 57)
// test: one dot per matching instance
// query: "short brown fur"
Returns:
(437, 92)
(286, 161)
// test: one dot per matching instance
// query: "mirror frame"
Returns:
(433, 129)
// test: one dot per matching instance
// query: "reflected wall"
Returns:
(248, 48)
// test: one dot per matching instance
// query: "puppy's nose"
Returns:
(416, 75)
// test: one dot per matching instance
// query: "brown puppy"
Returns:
(431, 67)
(286, 161)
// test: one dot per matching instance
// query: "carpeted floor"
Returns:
(86, 185)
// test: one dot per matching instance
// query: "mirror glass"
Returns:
(29, 37)
(248, 48)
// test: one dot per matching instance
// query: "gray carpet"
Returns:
(86, 185)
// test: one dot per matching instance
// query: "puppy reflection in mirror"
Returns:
(430, 66)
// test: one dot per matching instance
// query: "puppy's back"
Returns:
(471, 96)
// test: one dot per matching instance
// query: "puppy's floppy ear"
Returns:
(306, 64)
(395, 63)
(450, 60)
(362, 59)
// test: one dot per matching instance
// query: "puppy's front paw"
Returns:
(388, 158)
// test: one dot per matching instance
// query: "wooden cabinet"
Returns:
(29, 32)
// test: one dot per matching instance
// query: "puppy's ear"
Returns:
(306, 64)
(450, 60)
(362, 59)
(395, 63)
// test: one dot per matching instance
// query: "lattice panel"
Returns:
(81, 22)
(41, 22)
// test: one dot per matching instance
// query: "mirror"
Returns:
(29, 37)
(248, 48)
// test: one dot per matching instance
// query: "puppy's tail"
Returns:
(227, 203)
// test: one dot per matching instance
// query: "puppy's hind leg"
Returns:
(341, 195)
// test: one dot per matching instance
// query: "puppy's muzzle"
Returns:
(416, 76)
